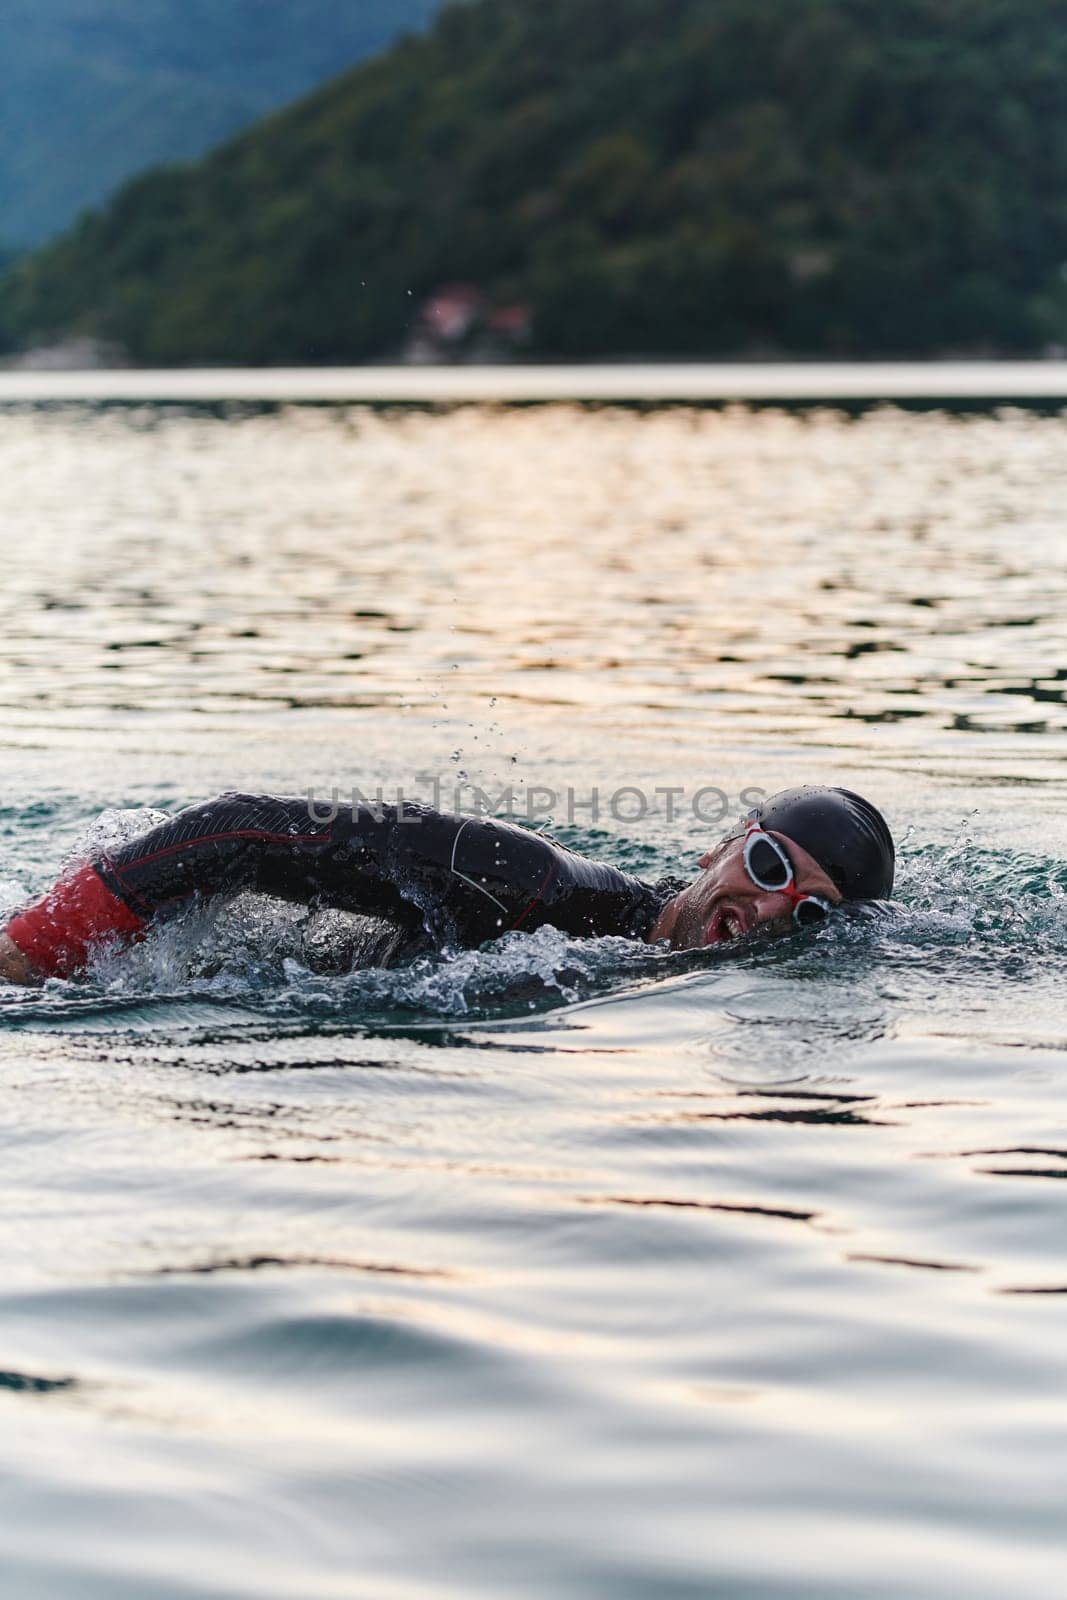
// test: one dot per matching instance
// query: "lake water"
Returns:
(558, 1269)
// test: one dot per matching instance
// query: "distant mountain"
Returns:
(691, 177)
(92, 91)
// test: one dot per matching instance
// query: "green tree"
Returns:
(659, 177)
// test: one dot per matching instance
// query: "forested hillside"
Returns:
(95, 90)
(690, 177)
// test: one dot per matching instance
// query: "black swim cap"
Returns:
(845, 834)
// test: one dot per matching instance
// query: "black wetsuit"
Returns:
(440, 880)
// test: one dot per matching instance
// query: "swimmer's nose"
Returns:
(769, 907)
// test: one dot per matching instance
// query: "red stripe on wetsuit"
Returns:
(55, 934)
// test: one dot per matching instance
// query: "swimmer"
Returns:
(446, 881)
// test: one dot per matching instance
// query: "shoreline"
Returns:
(634, 383)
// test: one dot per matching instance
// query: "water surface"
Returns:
(561, 1268)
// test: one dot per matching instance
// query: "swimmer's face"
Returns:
(723, 904)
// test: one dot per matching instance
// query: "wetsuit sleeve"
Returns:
(456, 880)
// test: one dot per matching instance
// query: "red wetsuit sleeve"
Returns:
(56, 933)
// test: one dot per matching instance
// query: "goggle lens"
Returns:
(767, 867)
(809, 913)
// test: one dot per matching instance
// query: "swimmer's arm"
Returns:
(14, 968)
(233, 842)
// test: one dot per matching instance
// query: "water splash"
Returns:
(113, 827)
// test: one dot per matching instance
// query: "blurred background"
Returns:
(309, 181)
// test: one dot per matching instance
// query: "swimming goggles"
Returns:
(769, 867)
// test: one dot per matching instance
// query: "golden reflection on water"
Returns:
(773, 567)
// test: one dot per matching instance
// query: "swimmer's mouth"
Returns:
(727, 923)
